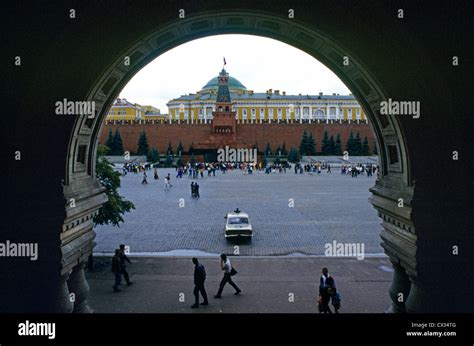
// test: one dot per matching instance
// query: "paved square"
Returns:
(327, 208)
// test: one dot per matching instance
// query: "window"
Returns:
(279, 113)
(254, 113)
(244, 113)
(262, 113)
(81, 154)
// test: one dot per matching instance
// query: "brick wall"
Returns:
(159, 135)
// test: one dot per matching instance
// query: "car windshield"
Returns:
(238, 221)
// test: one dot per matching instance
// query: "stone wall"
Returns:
(159, 135)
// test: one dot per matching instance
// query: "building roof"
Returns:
(262, 96)
(234, 84)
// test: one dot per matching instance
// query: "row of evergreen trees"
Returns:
(330, 146)
(115, 144)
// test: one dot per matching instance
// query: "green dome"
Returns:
(234, 84)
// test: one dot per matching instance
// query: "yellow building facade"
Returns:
(123, 110)
(271, 106)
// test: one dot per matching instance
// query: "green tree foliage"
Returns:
(350, 144)
(153, 155)
(112, 210)
(117, 149)
(337, 145)
(193, 159)
(169, 151)
(293, 156)
(283, 149)
(278, 151)
(268, 150)
(311, 149)
(142, 144)
(109, 143)
(375, 148)
(357, 145)
(169, 161)
(331, 145)
(365, 146)
(304, 143)
(180, 149)
(325, 146)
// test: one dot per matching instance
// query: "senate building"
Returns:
(225, 112)
(271, 106)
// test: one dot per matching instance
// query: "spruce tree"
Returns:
(331, 145)
(337, 145)
(142, 144)
(365, 146)
(118, 144)
(304, 143)
(169, 151)
(311, 145)
(109, 143)
(278, 151)
(268, 150)
(153, 155)
(169, 161)
(357, 145)
(325, 150)
(283, 149)
(350, 144)
(180, 149)
(293, 156)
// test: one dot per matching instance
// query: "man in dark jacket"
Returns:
(199, 278)
(327, 287)
(123, 258)
(117, 270)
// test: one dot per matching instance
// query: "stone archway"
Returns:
(398, 235)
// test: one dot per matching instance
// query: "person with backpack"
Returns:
(199, 279)
(228, 273)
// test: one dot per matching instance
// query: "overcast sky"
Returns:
(258, 63)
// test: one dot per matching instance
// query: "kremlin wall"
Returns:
(159, 135)
(224, 112)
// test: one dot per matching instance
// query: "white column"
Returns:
(327, 113)
(337, 111)
(301, 114)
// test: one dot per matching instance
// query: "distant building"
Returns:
(125, 110)
(271, 106)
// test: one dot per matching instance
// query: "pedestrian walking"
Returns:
(327, 287)
(124, 258)
(117, 270)
(228, 273)
(155, 174)
(144, 181)
(199, 279)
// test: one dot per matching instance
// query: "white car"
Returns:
(238, 225)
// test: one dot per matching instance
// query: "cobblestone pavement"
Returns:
(327, 208)
(269, 285)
